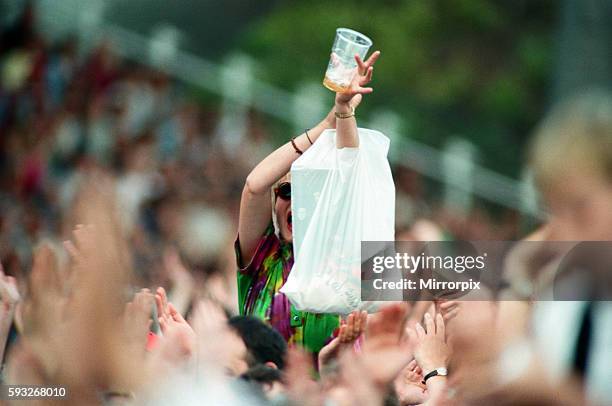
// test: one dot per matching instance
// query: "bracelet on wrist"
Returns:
(307, 136)
(345, 115)
(295, 147)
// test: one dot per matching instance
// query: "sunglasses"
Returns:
(283, 190)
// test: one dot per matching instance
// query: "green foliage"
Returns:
(474, 68)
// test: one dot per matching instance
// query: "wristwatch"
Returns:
(435, 372)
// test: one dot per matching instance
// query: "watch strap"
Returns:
(435, 372)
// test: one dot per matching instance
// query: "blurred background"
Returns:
(179, 100)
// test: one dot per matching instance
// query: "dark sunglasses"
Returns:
(283, 190)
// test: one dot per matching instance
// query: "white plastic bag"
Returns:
(340, 197)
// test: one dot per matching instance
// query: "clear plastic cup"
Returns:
(342, 65)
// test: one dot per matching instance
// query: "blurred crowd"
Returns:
(89, 138)
(65, 113)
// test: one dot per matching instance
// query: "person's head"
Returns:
(571, 157)
(282, 207)
(238, 357)
(268, 379)
(264, 344)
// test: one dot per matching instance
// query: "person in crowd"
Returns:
(571, 157)
(268, 379)
(264, 248)
(264, 344)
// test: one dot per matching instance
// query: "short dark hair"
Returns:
(262, 374)
(263, 342)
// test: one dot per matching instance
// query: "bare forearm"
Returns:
(278, 163)
(255, 209)
(346, 128)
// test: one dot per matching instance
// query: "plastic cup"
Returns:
(342, 65)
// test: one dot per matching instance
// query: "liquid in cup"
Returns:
(342, 65)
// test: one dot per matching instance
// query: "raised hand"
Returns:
(137, 320)
(218, 346)
(182, 281)
(362, 77)
(364, 377)
(350, 330)
(385, 355)
(42, 311)
(431, 350)
(178, 334)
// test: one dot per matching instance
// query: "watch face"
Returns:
(442, 371)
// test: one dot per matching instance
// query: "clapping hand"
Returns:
(350, 330)
(431, 350)
(178, 334)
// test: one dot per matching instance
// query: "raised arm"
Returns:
(346, 125)
(255, 204)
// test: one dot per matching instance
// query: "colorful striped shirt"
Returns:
(259, 283)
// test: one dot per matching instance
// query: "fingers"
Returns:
(357, 324)
(447, 305)
(368, 76)
(364, 321)
(450, 315)
(333, 344)
(449, 310)
(372, 59)
(341, 333)
(420, 331)
(412, 365)
(350, 326)
(355, 101)
(8, 288)
(163, 324)
(176, 316)
(71, 249)
(364, 90)
(362, 67)
(164, 300)
(429, 324)
(160, 301)
(440, 329)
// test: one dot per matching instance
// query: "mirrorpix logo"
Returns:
(446, 269)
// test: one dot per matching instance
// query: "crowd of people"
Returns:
(119, 280)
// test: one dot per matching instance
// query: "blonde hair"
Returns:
(576, 134)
